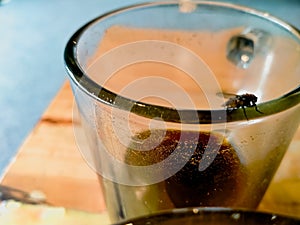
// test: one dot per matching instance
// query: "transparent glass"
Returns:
(184, 105)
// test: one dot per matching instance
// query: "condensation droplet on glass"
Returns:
(273, 217)
(236, 216)
(195, 211)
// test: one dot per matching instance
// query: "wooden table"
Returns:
(50, 162)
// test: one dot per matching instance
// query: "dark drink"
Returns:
(211, 173)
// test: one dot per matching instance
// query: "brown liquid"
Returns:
(217, 185)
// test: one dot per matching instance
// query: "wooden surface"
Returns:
(50, 162)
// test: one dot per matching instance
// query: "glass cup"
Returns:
(184, 104)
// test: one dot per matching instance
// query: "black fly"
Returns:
(240, 101)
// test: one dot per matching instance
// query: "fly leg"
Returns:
(244, 110)
(257, 110)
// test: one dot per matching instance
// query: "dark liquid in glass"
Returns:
(211, 173)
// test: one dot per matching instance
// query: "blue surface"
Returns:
(33, 34)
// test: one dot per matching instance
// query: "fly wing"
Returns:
(231, 99)
(225, 95)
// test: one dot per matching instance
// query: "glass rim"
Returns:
(78, 76)
(201, 212)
